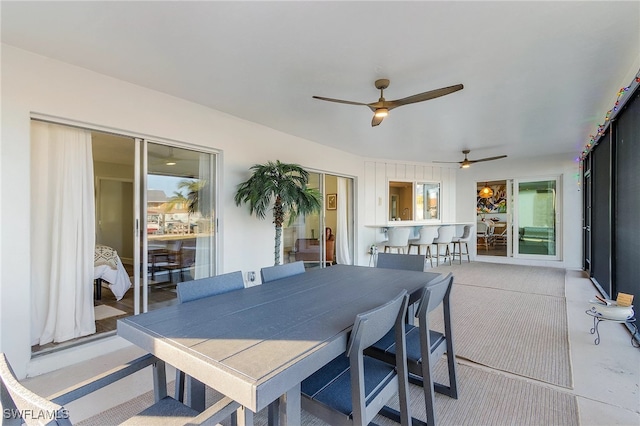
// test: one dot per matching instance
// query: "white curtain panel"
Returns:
(62, 233)
(343, 254)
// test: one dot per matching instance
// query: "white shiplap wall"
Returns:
(377, 175)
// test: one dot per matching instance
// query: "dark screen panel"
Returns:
(627, 201)
(601, 213)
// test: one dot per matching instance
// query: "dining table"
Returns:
(256, 345)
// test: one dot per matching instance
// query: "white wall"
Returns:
(545, 166)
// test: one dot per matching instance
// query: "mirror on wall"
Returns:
(414, 200)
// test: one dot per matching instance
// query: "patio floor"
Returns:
(606, 376)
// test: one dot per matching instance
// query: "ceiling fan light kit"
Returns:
(382, 107)
(381, 112)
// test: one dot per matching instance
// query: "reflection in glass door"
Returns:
(321, 240)
(536, 218)
(177, 221)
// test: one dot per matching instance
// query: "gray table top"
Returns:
(255, 344)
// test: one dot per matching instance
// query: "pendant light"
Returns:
(485, 192)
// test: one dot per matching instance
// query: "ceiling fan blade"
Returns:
(420, 97)
(340, 101)
(488, 159)
(447, 162)
(376, 120)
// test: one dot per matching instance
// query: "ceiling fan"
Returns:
(466, 162)
(382, 107)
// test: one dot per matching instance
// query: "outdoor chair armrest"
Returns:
(98, 382)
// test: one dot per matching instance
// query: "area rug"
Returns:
(508, 328)
(485, 398)
(106, 311)
(521, 278)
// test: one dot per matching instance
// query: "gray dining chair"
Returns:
(353, 388)
(408, 262)
(198, 289)
(425, 346)
(210, 286)
(22, 406)
(273, 273)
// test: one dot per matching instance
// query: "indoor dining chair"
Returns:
(425, 346)
(273, 273)
(22, 406)
(485, 234)
(198, 289)
(408, 262)
(353, 388)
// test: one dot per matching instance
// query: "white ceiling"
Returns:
(538, 76)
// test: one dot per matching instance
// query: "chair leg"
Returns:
(466, 245)
(429, 255)
(453, 376)
(429, 393)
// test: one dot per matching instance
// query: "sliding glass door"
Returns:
(536, 218)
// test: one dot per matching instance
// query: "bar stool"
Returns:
(398, 239)
(445, 237)
(427, 235)
(464, 238)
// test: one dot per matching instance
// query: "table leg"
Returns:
(285, 411)
(289, 407)
(194, 395)
(245, 417)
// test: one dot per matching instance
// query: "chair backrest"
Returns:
(373, 325)
(398, 236)
(465, 233)
(174, 246)
(409, 262)
(272, 273)
(368, 328)
(483, 228)
(427, 234)
(433, 295)
(20, 404)
(210, 286)
(445, 234)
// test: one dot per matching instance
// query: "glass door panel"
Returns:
(323, 239)
(178, 220)
(302, 240)
(536, 219)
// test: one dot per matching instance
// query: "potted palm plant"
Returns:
(283, 186)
